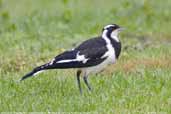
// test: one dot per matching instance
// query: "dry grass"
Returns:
(134, 64)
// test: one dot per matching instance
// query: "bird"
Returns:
(90, 57)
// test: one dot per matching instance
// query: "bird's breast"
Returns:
(111, 54)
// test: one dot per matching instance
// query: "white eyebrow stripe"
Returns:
(107, 26)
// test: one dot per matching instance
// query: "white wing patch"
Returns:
(78, 58)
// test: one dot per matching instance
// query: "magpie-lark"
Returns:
(91, 56)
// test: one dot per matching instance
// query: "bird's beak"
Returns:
(121, 29)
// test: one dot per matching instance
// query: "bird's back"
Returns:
(96, 42)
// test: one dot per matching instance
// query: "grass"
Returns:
(33, 32)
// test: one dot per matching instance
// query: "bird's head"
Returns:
(111, 31)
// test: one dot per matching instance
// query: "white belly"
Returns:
(95, 69)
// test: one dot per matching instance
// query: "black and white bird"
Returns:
(91, 56)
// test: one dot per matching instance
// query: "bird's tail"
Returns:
(34, 72)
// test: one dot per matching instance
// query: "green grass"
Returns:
(34, 31)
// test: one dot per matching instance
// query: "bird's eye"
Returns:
(110, 28)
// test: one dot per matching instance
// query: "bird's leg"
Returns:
(86, 82)
(78, 80)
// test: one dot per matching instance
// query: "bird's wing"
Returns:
(89, 53)
(92, 43)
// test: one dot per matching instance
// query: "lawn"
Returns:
(32, 32)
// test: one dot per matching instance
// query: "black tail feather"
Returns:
(27, 75)
(33, 72)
